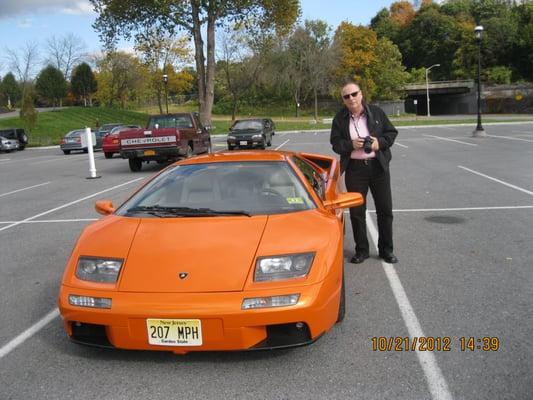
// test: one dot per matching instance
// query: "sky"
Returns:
(36, 21)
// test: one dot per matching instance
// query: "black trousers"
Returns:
(360, 176)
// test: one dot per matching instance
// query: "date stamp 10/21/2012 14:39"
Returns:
(435, 343)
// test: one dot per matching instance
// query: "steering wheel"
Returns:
(272, 192)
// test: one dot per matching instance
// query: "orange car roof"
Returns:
(227, 156)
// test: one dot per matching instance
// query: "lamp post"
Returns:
(427, 84)
(165, 81)
(479, 131)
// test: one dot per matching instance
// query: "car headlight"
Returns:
(98, 269)
(257, 136)
(287, 266)
(231, 137)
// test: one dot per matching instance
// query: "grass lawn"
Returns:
(53, 125)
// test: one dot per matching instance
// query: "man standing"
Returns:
(362, 135)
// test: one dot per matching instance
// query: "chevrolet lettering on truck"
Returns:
(166, 138)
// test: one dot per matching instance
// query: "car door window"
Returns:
(312, 176)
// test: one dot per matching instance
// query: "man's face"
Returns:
(353, 103)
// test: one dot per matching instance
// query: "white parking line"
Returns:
(510, 138)
(450, 140)
(46, 221)
(285, 142)
(28, 333)
(497, 180)
(26, 188)
(68, 204)
(5, 159)
(437, 384)
(401, 145)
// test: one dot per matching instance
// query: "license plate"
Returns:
(243, 142)
(174, 332)
(149, 152)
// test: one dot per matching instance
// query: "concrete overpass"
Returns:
(446, 97)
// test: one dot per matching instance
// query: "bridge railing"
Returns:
(432, 84)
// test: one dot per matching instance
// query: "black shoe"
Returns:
(359, 258)
(389, 258)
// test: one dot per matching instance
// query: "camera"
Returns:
(367, 145)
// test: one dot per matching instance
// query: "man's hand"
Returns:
(375, 144)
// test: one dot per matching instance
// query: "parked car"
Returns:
(72, 141)
(111, 141)
(8, 145)
(167, 137)
(223, 251)
(249, 133)
(18, 134)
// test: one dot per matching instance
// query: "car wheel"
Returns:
(190, 151)
(342, 304)
(230, 147)
(269, 143)
(66, 152)
(85, 150)
(135, 164)
(108, 155)
(209, 148)
(21, 148)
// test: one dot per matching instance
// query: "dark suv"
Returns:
(15, 134)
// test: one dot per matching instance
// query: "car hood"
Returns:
(217, 254)
(246, 132)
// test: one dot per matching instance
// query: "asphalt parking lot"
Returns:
(463, 233)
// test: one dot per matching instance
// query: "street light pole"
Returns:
(479, 131)
(427, 84)
(165, 81)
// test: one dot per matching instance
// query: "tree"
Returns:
(51, 85)
(355, 53)
(11, 90)
(83, 83)
(23, 62)
(388, 71)
(65, 52)
(28, 114)
(162, 53)
(122, 77)
(402, 12)
(136, 17)
(318, 58)
(385, 26)
(240, 66)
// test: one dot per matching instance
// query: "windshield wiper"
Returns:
(161, 211)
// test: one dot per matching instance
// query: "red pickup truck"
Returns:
(166, 138)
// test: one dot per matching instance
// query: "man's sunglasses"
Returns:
(347, 96)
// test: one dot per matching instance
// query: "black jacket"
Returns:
(378, 125)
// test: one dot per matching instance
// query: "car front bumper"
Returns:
(225, 326)
(246, 143)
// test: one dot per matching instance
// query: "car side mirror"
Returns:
(104, 207)
(345, 200)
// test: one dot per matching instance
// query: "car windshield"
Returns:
(108, 127)
(242, 125)
(229, 188)
(171, 121)
(74, 133)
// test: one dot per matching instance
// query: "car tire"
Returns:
(85, 150)
(342, 304)
(230, 147)
(66, 152)
(108, 155)
(190, 151)
(269, 143)
(209, 148)
(21, 148)
(135, 164)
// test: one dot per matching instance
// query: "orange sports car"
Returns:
(227, 251)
